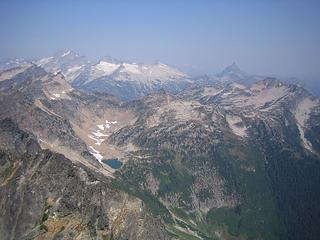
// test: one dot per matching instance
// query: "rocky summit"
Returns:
(118, 150)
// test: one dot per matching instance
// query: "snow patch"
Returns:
(44, 61)
(226, 94)
(96, 154)
(74, 69)
(211, 91)
(108, 124)
(97, 135)
(73, 72)
(302, 114)
(101, 127)
(133, 68)
(106, 68)
(262, 98)
(237, 85)
(145, 74)
(306, 143)
(65, 54)
(97, 140)
(269, 95)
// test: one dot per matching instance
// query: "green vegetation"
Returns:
(295, 182)
(43, 227)
(157, 208)
(170, 182)
(225, 217)
(44, 217)
(181, 234)
(108, 237)
(256, 217)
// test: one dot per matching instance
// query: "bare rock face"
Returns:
(46, 196)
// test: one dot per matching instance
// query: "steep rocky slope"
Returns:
(47, 196)
(63, 119)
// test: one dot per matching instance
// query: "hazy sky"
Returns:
(266, 37)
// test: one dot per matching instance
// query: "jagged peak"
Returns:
(110, 59)
(233, 68)
(159, 63)
(66, 53)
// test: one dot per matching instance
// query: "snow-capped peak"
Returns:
(66, 61)
(110, 60)
(58, 56)
(130, 71)
(160, 64)
(66, 53)
(104, 67)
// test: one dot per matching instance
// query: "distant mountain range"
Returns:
(113, 76)
(125, 80)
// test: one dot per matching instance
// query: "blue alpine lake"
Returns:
(113, 163)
